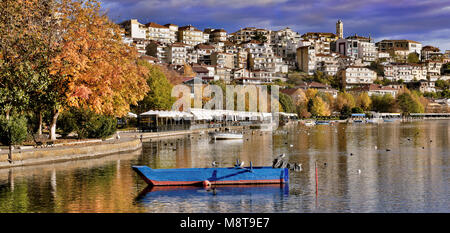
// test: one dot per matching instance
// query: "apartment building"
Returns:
(320, 40)
(431, 53)
(222, 60)
(399, 71)
(260, 56)
(327, 63)
(248, 34)
(398, 45)
(158, 50)
(306, 59)
(216, 35)
(173, 29)
(158, 32)
(190, 36)
(357, 76)
(433, 69)
(357, 47)
(284, 42)
(204, 52)
(134, 29)
(177, 53)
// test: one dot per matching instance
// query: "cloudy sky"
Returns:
(426, 21)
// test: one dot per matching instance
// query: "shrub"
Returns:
(101, 126)
(87, 124)
(13, 131)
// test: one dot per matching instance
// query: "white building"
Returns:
(358, 75)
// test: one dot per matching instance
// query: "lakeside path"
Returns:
(85, 149)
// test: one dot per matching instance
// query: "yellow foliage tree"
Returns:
(320, 107)
(363, 100)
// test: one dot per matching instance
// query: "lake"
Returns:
(390, 167)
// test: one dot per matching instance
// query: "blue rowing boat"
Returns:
(322, 122)
(213, 176)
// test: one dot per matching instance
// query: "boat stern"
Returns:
(143, 172)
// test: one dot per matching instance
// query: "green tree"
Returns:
(159, 94)
(286, 103)
(377, 67)
(13, 131)
(345, 112)
(86, 123)
(410, 103)
(384, 103)
(443, 84)
(413, 58)
(26, 35)
(260, 37)
(357, 110)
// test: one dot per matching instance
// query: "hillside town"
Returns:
(260, 56)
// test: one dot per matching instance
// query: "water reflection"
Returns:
(403, 168)
(259, 198)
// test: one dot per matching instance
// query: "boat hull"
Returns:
(228, 136)
(212, 176)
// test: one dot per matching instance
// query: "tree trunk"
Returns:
(10, 153)
(53, 126)
(39, 132)
(7, 113)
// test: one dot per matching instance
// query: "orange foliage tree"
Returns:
(100, 71)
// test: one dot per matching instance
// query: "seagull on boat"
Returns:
(282, 155)
(359, 171)
(242, 164)
(214, 164)
(291, 145)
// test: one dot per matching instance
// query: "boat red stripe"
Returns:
(226, 182)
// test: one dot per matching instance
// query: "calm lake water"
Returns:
(412, 177)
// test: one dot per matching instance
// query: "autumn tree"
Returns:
(363, 101)
(344, 99)
(319, 107)
(100, 71)
(188, 71)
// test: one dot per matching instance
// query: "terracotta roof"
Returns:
(252, 42)
(289, 91)
(313, 85)
(228, 43)
(155, 25)
(318, 34)
(179, 44)
(146, 57)
(410, 41)
(200, 69)
(358, 37)
(323, 55)
(169, 24)
(204, 46)
(430, 48)
(188, 27)
(246, 78)
(377, 87)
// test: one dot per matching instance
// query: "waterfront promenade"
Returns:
(84, 149)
